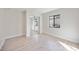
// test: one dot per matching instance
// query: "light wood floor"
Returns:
(14, 43)
(38, 43)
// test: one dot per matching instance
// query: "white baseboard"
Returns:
(62, 37)
(17, 35)
(2, 41)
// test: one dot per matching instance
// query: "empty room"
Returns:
(39, 29)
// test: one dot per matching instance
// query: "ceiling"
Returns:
(40, 10)
(17, 9)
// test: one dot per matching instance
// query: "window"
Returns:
(54, 21)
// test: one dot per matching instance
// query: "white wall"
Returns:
(23, 22)
(69, 23)
(11, 23)
(35, 12)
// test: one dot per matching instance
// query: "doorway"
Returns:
(35, 25)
